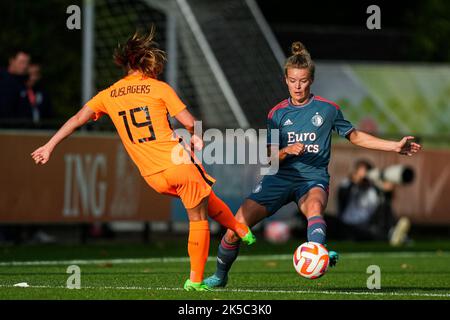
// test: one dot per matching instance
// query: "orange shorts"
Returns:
(189, 182)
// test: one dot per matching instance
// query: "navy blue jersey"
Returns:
(311, 124)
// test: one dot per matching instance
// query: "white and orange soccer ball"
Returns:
(311, 260)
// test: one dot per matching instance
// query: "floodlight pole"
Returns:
(87, 68)
(172, 52)
(267, 32)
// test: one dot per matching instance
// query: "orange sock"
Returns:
(220, 212)
(198, 248)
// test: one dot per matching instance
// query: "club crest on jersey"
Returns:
(317, 120)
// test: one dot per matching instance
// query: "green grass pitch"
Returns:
(264, 271)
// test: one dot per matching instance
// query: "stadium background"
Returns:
(225, 60)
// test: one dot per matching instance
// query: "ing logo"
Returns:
(85, 185)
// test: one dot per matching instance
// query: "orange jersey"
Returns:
(139, 107)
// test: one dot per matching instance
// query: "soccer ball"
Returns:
(311, 260)
(277, 232)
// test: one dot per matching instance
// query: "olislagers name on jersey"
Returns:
(311, 125)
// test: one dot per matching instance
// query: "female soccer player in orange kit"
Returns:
(139, 105)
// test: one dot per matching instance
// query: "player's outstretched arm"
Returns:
(405, 146)
(42, 154)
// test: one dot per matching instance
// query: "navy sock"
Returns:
(226, 255)
(317, 230)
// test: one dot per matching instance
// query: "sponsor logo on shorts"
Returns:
(258, 188)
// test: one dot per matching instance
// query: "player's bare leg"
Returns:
(198, 245)
(312, 205)
(250, 213)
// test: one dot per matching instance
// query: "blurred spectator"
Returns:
(12, 86)
(39, 102)
(364, 210)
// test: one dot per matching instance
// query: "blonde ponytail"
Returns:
(141, 52)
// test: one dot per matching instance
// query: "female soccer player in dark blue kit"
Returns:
(305, 123)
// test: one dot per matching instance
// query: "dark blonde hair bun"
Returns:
(300, 59)
(298, 48)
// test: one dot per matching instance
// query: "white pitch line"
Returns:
(276, 257)
(325, 292)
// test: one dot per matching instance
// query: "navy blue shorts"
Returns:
(277, 190)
